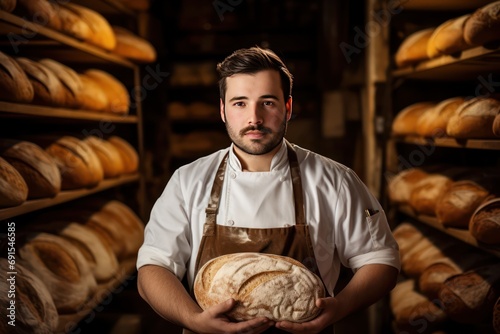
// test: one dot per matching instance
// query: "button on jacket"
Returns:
(335, 202)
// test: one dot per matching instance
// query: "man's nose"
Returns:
(254, 114)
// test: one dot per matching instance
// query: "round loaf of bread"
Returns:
(413, 49)
(108, 154)
(448, 38)
(35, 311)
(474, 118)
(14, 83)
(263, 285)
(116, 92)
(70, 80)
(40, 11)
(129, 155)
(62, 267)
(427, 192)
(407, 236)
(36, 166)
(402, 184)
(405, 122)
(483, 25)
(13, 188)
(133, 47)
(484, 224)
(433, 122)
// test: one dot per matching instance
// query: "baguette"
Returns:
(14, 83)
(251, 279)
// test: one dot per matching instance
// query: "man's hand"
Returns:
(324, 319)
(213, 320)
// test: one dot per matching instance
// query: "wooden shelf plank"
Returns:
(460, 234)
(468, 65)
(24, 30)
(65, 196)
(69, 322)
(53, 112)
(482, 144)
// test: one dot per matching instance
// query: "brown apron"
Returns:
(293, 241)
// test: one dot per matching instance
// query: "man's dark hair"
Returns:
(253, 60)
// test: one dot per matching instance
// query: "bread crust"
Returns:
(483, 25)
(14, 83)
(474, 118)
(13, 188)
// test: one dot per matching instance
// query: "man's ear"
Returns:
(222, 114)
(288, 106)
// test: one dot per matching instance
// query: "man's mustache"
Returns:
(260, 128)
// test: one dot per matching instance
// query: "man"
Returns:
(263, 194)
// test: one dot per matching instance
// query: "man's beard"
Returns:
(257, 146)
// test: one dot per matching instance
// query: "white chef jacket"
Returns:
(335, 202)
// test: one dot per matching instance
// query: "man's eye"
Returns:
(268, 103)
(239, 104)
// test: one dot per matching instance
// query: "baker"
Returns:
(264, 194)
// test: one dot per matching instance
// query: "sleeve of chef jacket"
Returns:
(362, 240)
(166, 242)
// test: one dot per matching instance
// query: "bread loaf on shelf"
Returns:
(70, 80)
(116, 92)
(434, 121)
(13, 188)
(14, 83)
(402, 184)
(36, 166)
(35, 311)
(484, 224)
(39, 11)
(62, 267)
(483, 25)
(405, 122)
(92, 97)
(108, 154)
(470, 297)
(133, 47)
(48, 89)
(251, 278)
(427, 192)
(448, 38)
(130, 156)
(407, 236)
(73, 25)
(474, 118)
(413, 49)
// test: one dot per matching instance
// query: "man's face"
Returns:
(255, 112)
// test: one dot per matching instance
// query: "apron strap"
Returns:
(298, 196)
(213, 204)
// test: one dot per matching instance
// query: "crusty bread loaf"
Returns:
(62, 267)
(496, 125)
(101, 34)
(413, 49)
(14, 83)
(108, 154)
(92, 97)
(484, 224)
(35, 165)
(128, 153)
(78, 164)
(251, 278)
(73, 25)
(13, 188)
(34, 311)
(48, 88)
(448, 38)
(70, 80)
(427, 192)
(8, 5)
(483, 25)
(410, 307)
(405, 122)
(458, 203)
(434, 121)
(407, 236)
(470, 297)
(39, 11)
(474, 118)
(133, 47)
(402, 184)
(98, 254)
(116, 92)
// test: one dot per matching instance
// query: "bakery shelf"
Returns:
(467, 65)
(19, 109)
(65, 196)
(68, 323)
(459, 234)
(482, 144)
(17, 30)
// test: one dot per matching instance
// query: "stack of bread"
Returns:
(442, 280)
(452, 36)
(46, 164)
(457, 117)
(457, 198)
(86, 25)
